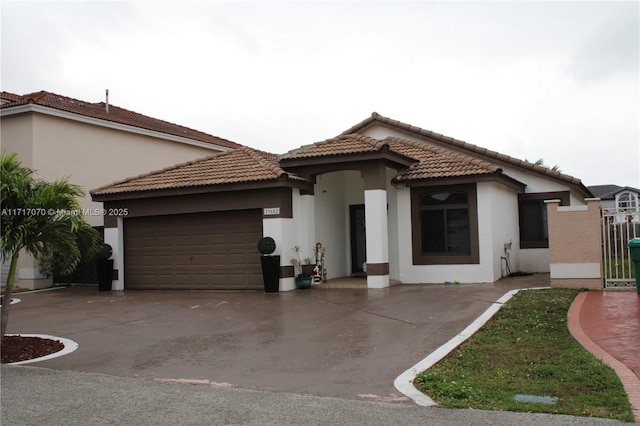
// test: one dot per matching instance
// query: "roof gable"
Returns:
(609, 192)
(113, 114)
(449, 143)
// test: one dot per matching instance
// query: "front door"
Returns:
(358, 238)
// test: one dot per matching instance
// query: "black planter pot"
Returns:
(105, 274)
(303, 282)
(271, 273)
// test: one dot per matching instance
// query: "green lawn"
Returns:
(527, 349)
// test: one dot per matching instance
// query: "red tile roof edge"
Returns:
(115, 115)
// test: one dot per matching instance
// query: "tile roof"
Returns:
(115, 115)
(425, 161)
(446, 141)
(436, 162)
(608, 192)
(430, 162)
(240, 165)
(341, 145)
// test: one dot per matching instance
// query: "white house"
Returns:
(386, 199)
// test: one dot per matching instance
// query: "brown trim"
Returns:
(374, 175)
(372, 165)
(416, 237)
(195, 203)
(392, 158)
(498, 177)
(205, 189)
(110, 221)
(378, 268)
(563, 196)
(287, 271)
(565, 200)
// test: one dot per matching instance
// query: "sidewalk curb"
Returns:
(404, 382)
(629, 380)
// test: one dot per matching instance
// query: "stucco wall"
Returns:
(497, 204)
(89, 156)
(334, 192)
(497, 224)
(575, 253)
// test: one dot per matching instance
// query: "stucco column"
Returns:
(289, 232)
(575, 252)
(377, 231)
(375, 201)
(114, 236)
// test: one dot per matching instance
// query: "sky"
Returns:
(546, 79)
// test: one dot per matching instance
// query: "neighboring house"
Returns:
(617, 197)
(91, 144)
(386, 199)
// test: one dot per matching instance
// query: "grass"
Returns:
(527, 349)
(618, 267)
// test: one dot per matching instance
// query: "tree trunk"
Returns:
(8, 292)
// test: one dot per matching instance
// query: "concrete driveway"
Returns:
(346, 343)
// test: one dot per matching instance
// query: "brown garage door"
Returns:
(215, 250)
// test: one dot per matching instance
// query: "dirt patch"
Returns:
(20, 348)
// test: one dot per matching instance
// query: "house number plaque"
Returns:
(271, 211)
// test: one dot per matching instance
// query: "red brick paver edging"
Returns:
(629, 379)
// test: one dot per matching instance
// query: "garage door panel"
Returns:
(196, 251)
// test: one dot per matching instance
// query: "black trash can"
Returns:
(104, 267)
(105, 274)
(271, 273)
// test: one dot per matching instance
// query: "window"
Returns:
(534, 230)
(445, 227)
(627, 201)
(444, 220)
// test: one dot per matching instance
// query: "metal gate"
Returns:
(618, 227)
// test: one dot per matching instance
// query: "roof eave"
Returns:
(394, 159)
(497, 176)
(200, 189)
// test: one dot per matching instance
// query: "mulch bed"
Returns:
(20, 348)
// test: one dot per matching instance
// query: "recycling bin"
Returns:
(634, 250)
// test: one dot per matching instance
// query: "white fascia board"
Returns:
(108, 124)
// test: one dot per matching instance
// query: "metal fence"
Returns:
(619, 226)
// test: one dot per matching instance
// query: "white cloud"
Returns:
(552, 80)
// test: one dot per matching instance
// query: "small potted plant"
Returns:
(303, 278)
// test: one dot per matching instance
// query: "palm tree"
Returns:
(540, 162)
(41, 218)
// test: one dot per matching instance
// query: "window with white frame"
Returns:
(627, 200)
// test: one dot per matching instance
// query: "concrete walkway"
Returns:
(607, 324)
(136, 335)
(345, 343)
